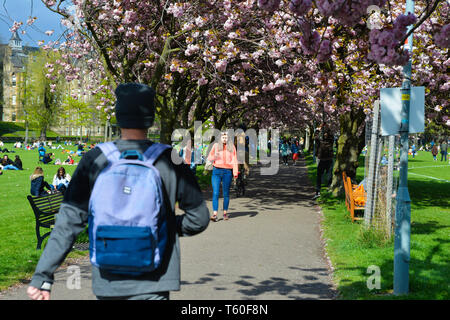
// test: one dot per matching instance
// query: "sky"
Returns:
(21, 10)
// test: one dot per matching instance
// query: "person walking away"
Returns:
(225, 167)
(242, 140)
(444, 150)
(434, 152)
(38, 183)
(61, 180)
(135, 113)
(324, 154)
(189, 156)
(41, 151)
(294, 150)
(284, 151)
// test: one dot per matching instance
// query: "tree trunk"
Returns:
(43, 134)
(26, 133)
(349, 149)
(106, 130)
(166, 131)
(310, 138)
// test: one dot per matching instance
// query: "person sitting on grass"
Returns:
(69, 160)
(61, 180)
(38, 183)
(80, 150)
(7, 163)
(18, 163)
(48, 158)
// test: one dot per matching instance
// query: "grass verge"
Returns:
(353, 251)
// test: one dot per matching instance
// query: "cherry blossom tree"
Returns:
(355, 61)
(267, 62)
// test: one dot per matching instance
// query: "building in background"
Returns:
(13, 59)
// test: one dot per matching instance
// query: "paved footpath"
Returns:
(270, 248)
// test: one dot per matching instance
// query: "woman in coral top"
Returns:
(225, 167)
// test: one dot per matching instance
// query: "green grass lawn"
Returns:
(17, 129)
(18, 254)
(352, 253)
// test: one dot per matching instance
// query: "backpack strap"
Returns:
(154, 151)
(110, 151)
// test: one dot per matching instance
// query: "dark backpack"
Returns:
(325, 150)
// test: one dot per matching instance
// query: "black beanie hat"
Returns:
(135, 107)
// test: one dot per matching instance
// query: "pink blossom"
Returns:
(228, 25)
(269, 5)
(202, 81)
(300, 7)
(442, 38)
(268, 87)
(31, 20)
(279, 97)
(221, 65)
(15, 26)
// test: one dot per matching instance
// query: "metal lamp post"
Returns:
(403, 208)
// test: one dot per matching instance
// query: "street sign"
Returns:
(391, 107)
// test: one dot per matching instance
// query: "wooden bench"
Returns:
(350, 195)
(45, 208)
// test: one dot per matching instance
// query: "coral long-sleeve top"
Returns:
(223, 158)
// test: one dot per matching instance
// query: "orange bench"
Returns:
(355, 197)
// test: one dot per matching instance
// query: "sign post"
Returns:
(403, 209)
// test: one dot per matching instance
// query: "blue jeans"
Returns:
(10, 167)
(225, 176)
(61, 187)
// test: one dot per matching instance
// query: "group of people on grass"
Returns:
(7, 164)
(59, 184)
(38, 185)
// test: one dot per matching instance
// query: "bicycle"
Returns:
(240, 185)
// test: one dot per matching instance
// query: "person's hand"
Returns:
(36, 294)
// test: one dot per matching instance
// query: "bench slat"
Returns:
(350, 195)
(45, 208)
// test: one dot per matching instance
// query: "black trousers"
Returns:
(324, 166)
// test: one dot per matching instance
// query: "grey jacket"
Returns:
(180, 186)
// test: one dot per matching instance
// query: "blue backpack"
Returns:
(127, 217)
